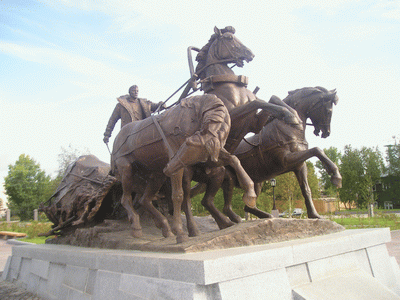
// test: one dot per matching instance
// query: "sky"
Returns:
(64, 63)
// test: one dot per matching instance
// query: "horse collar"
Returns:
(207, 84)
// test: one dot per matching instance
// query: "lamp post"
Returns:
(275, 212)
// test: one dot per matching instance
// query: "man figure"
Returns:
(130, 108)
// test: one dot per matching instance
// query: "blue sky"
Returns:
(64, 63)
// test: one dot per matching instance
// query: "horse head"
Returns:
(316, 104)
(223, 48)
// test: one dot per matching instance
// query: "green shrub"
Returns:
(32, 229)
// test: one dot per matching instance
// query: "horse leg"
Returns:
(250, 196)
(213, 184)
(199, 188)
(154, 184)
(301, 174)
(280, 110)
(296, 157)
(227, 188)
(126, 172)
(177, 199)
(187, 204)
(254, 210)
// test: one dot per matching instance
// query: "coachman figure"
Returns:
(129, 108)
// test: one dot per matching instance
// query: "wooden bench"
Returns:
(9, 234)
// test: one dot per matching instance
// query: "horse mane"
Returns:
(201, 57)
(305, 92)
(308, 91)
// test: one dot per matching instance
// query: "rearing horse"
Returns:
(217, 78)
(279, 149)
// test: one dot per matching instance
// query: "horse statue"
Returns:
(217, 78)
(164, 145)
(280, 148)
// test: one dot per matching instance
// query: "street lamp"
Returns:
(273, 184)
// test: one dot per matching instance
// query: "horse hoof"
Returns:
(249, 201)
(182, 238)
(226, 224)
(314, 216)
(167, 233)
(194, 232)
(137, 233)
(336, 181)
(233, 217)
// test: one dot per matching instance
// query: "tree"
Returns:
(26, 186)
(351, 170)
(390, 183)
(393, 159)
(65, 158)
(360, 170)
(334, 155)
(288, 188)
(68, 156)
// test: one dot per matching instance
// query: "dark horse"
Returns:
(217, 78)
(280, 148)
(193, 131)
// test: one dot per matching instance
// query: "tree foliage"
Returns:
(390, 187)
(26, 186)
(393, 159)
(288, 188)
(360, 170)
(67, 156)
(334, 155)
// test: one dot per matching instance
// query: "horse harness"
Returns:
(257, 149)
(207, 84)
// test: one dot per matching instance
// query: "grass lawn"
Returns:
(378, 221)
(32, 229)
(36, 240)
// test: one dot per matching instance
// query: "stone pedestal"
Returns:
(352, 264)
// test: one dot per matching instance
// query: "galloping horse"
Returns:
(194, 131)
(280, 148)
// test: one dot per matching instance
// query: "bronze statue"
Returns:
(195, 138)
(217, 78)
(280, 148)
(193, 131)
(84, 189)
(129, 108)
(222, 49)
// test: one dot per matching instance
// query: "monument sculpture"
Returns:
(202, 138)
(194, 139)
